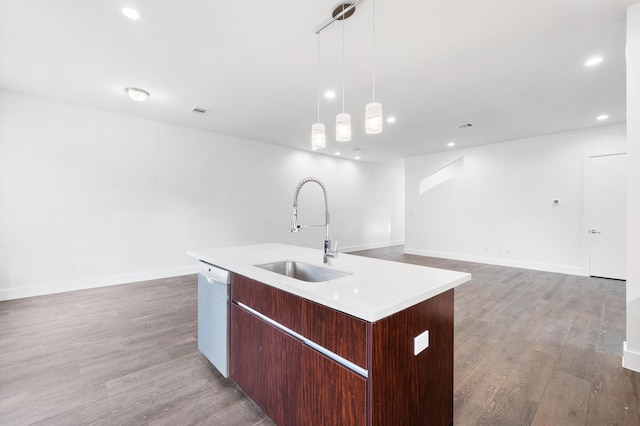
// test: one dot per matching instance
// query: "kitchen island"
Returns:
(374, 346)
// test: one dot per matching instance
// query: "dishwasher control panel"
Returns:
(214, 273)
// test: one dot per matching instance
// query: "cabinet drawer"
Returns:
(292, 383)
(339, 332)
(274, 303)
(336, 331)
(331, 393)
(266, 363)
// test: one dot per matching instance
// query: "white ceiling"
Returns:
(513, 69)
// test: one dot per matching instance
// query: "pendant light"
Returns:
(318, 135)
(343, 120)
(373, 110)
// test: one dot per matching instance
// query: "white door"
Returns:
(607, 216)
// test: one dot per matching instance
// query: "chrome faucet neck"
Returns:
(324, 192)
(328, 253)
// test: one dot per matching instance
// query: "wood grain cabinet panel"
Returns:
(341, 333)
(331, 393)
(408, 389)
(295, 384)
(266, 363)
(278, 305)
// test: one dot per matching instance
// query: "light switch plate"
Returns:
(421, 342)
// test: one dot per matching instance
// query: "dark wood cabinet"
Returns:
(408, 389)
(295, 384)
(266, 364)
(291, 382)
(342, 334)
(331, 393)
(282, 307)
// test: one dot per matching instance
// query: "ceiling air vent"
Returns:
(199, 110)
(464, 126)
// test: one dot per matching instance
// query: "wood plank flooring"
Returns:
(537, 348)
(531, 348)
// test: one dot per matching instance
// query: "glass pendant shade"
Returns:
(318, 136)
(343, 127)
(373, 118)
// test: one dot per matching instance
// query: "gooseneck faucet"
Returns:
(328, 252)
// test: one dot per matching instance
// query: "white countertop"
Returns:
(377, 288)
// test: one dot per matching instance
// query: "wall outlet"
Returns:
(421, 342)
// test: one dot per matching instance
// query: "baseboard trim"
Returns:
(348, 249)
(61, 287)
(561, 269)
(630, 359)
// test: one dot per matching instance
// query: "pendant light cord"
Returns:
(343, 61)
(318, 77)
(373, 4)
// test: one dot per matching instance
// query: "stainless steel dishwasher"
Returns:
(213, 315)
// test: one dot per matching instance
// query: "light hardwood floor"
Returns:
(530, 348)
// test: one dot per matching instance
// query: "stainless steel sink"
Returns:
(303, 271)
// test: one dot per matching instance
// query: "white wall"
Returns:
(500, 210)
(90, 198)
(631, 357)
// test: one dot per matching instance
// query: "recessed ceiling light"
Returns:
(602, 117)
(593, 61)
(337, 153)
(357, 157)
(391, 119)
(330, 94)
(451, 144)
(136, 94)
(130, 13)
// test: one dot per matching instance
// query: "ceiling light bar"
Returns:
(338, 16)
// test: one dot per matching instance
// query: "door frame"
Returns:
(586, 246)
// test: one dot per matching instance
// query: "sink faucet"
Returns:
(328, 252)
